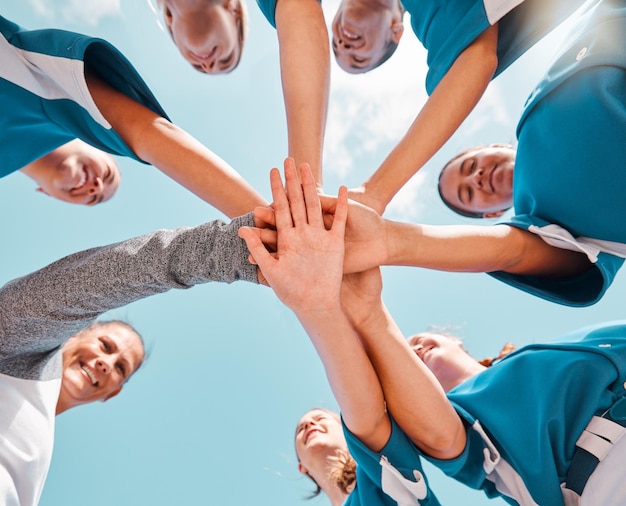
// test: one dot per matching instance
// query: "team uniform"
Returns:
(41, 311)
(527, 413)
(446, 29)
(390, 477)
(45, 98)
(268, 8)
(570, 170)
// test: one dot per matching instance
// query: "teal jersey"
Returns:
(532, 406)
(390, 477)
(447, 28)
(46, 101)
(570, 168)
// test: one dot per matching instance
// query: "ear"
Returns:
(302, 469)
(112, 394)
(397, 29)
(493, 214)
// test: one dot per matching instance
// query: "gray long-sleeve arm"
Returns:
(43, 309)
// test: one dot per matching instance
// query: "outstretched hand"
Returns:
(365, 237)
(306, 269)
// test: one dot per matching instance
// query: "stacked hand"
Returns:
(304, 262)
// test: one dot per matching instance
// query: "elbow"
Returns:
(446, 444)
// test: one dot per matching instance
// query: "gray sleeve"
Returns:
(41, 310)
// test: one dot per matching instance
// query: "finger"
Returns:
(328, 203)
(269, 238)
(294, 193)
(341, 211)
(261, 256)
(311, 197)
(282, 212)
(264, 217)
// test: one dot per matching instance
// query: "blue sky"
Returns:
(211, 417)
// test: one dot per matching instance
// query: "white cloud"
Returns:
(369, 113)
(88, 12)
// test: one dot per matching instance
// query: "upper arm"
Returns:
(531, 255)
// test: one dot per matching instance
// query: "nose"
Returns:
(345, 44)
(96, 186)
(103, 366)
(476, 178)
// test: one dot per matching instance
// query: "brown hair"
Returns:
(506, 349)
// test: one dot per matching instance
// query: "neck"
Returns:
(464, 372)
(322, 476)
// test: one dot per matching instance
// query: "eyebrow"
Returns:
(123, 359)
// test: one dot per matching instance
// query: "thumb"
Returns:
(256, 247)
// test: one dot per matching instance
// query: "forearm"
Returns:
(464, 248)
(305, 72)
(191, 164)
(70, 293)
(350, 375)
(414, 396)
(156, 141)
(449, 105)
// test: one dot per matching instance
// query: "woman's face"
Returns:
(443, 355)
(319, 434)
(480, 181)
(360, 36)
(79, 174)
(207, 33)
(97, 362)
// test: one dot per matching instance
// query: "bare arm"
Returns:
(466, 248)
(306, 275)
(413, 394)
(372, 241)
(305, 72)
(176, 153)
(453, 99)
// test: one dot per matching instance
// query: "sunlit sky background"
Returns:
(211, 417)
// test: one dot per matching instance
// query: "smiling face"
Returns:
(479, 181)
(445, 357)
(318, 436)
(97, 362)
(364, 35)
(209, 34)
(76, 173)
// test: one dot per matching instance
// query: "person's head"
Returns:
(478, 183)
(97, 362)
(76, 173)
(447, 359)
(323, 453)
(210, 34)
(365, 33)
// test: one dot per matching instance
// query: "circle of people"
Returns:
(71, 101)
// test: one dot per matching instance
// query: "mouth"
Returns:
(309, 434)
(82, 181)
(347, 34)
(90, 373)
